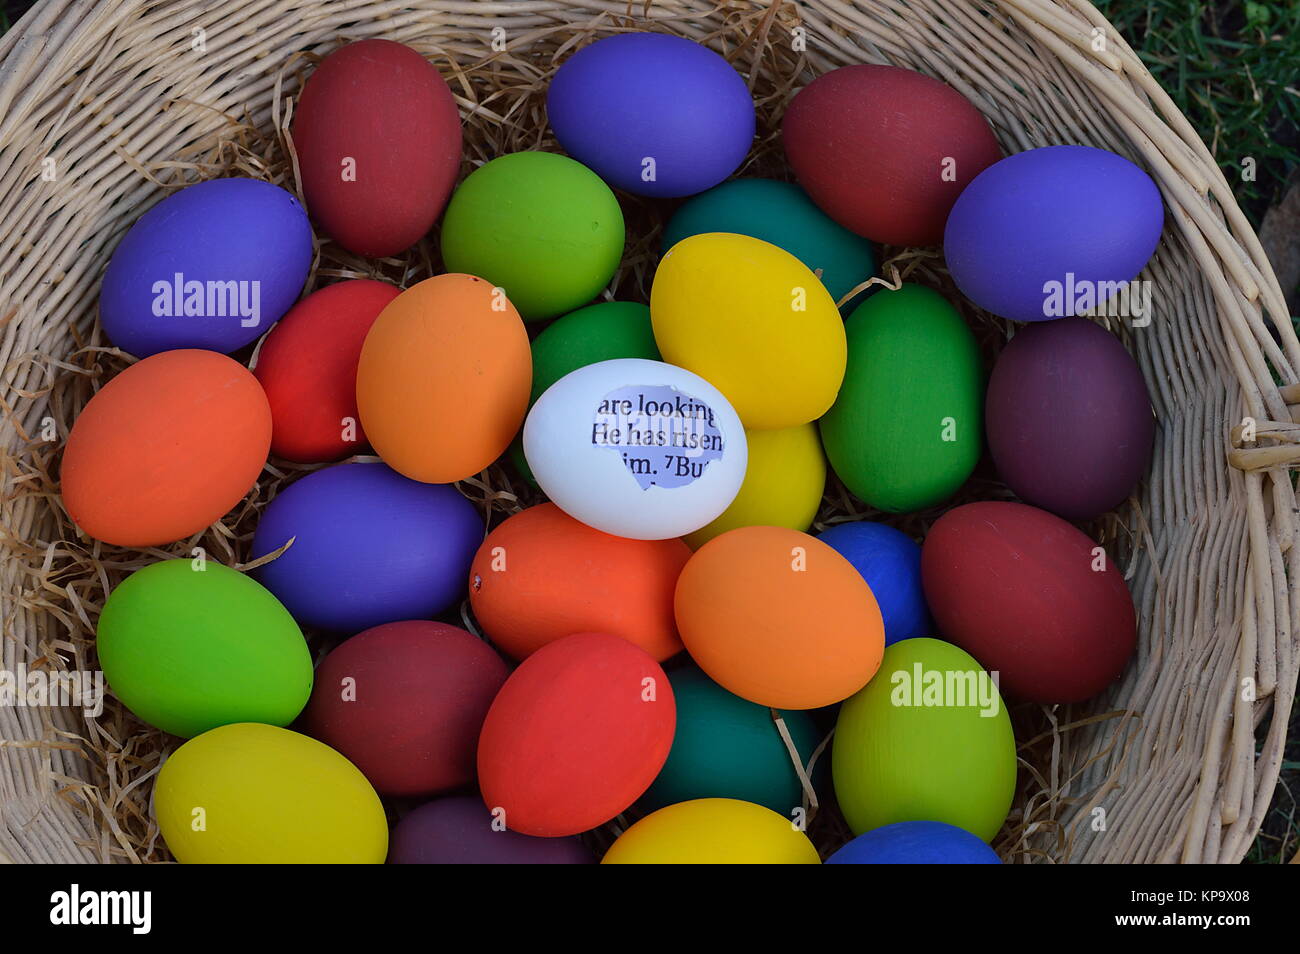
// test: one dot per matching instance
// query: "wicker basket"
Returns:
(105, 103)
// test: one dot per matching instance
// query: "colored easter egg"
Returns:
(541, 226)
(542, 575)
(211, 266)
(905, 431)
(368, 547)
(459, 831)
(378, 139)
(404, 703)
(1031, 597)
(712, 831)
(266, 795)
(443, 379)
(1068, 418)
(916, 843)
(165, 449)
(636, 448)
(779, 618)
(1009, 254)
(928, 739)
(890, 561)
(308, 367)
(575, 736)
(755, 322)
(885, 151)
(652, 114)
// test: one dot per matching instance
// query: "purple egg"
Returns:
(212, 266)
(458, 831)
(652, 114)
(1050, 232)
(1068, 418)
(369, 546)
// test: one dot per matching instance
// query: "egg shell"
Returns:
(212, 233)
(885, 151)
(1030, 597)
(541, 226)
(652, 114)
(779, 618)
(378, 140)
(712, 831)
(369, 547)
(189, 649)
(784, 481)
(900, 754)
(267, 796)
(754, 321)
(165, 449)
(636, 448)
(459, 831)
(308, 367)
(575, 736)
(1068, 418)
(916, 843)
(404, 703)
(727, 747)
(1009, 253)
(443, 379)
(541, 575)
(890, 561)
(905, 431)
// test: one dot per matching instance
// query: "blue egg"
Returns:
(890, 561)
(916, 843)
(212, 266)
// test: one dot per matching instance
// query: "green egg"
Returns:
(190, 649)
(906, 429)
(543, 227)
(781, 214)
(927, 739)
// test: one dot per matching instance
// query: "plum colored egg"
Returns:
(266, 795)
(378, 139)
(712, 831)
(885, 151)
(916, 843)
(1069, 419)
(1031, 597)
(212, 266)
(404, 703)
(459, 831)
(890, 561)
(308, 367)
(189, 649)
(369, 547)
(443, 379)
(165, 449)
(1010, 253)
(575, 736)
(652, 114)
(542, 575)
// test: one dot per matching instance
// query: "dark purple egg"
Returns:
(458, 831)
(1068, 418)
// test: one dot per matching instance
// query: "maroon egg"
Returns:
(461, 831)
(1068, 418)
(404, 702)
(1031, 597)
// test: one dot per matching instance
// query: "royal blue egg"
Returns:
(652, 114)
(1051, 232)
(916, 843)
(369, 547)
(890, 561)
(212, 266)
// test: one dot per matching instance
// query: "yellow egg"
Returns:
(713, 831)
(753, 321)
(783, 486)
(257, 794)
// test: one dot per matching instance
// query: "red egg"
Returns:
(1031, 597)
(576, 735)
(405, 702)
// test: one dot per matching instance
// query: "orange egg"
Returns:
(444, 378)
(166, 448)
(779, 618)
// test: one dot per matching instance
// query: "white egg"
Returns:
(636, 448)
